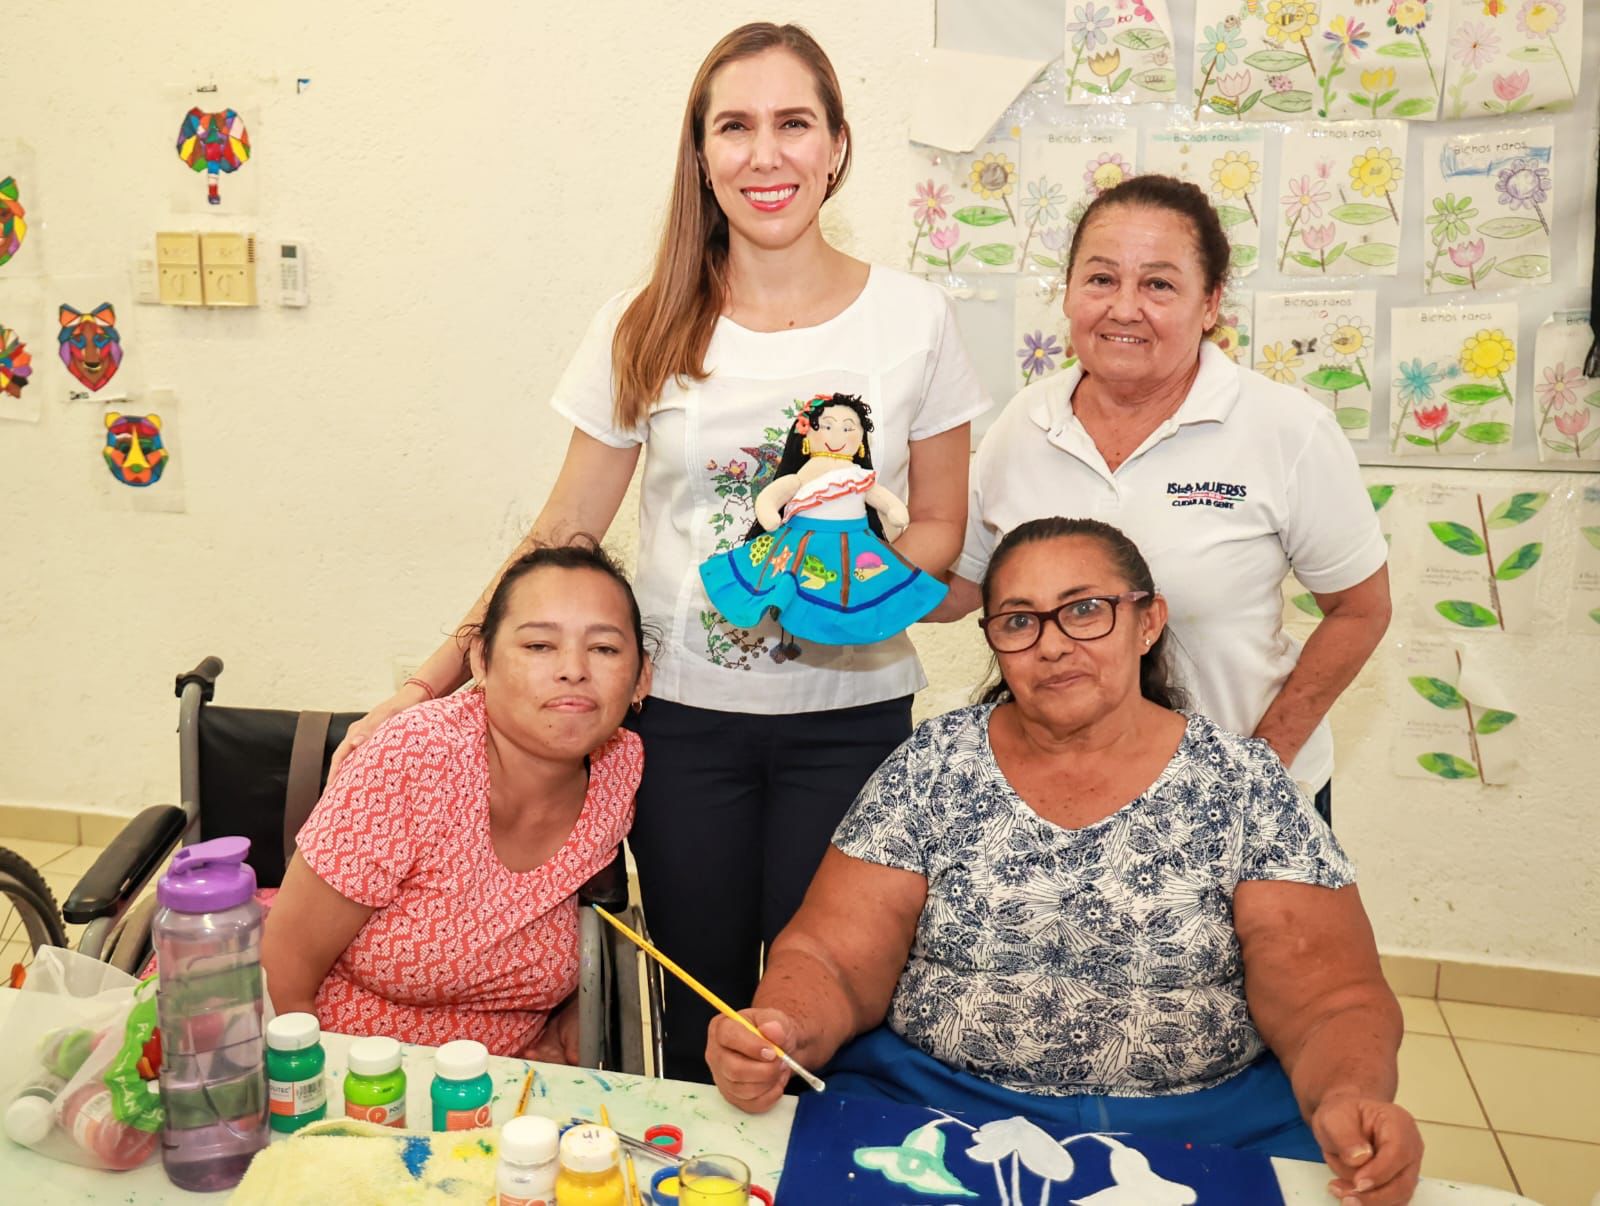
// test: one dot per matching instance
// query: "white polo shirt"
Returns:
(1246, 481)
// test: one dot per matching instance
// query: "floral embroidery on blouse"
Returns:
(1097, 960)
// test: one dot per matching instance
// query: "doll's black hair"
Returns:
(794, 455)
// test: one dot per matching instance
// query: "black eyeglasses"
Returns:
(1086, 619)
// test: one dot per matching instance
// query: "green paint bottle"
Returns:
(375, 1084)
(461, 1090)
(295, 1062)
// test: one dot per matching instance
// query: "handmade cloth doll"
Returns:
(817, 555)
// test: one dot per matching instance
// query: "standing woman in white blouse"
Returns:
(755, 745)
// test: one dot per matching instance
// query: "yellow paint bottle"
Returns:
(590, 1174)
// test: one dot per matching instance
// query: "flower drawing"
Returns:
(1042, 201)
(1541, 18)
(1525, 184)
(1303, 201)
(1088, 29)
(1449, 221)
(1489, 355)
(1465, 255)
(1348, 34)
(1290, 21)
(930, 202)
(993, 177)
(1220, 48)
(1037, 353)
(1349, 336)
(1474, 43)
(1319, 237)
(1432, 418)
(944, 237)
(1559, 387)
(1510, 85)
(1380, 79)
(1417, 380)
(1234, 85)
(1412, 17)
(1234, 175)
(1280, 362)
(1105, 171)
(1105, 64)
(1376, 173)
(1570, 423)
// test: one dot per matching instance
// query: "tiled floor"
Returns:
(1505, 1097)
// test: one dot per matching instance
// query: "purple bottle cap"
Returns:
(208, 877)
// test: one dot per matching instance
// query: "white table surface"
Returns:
(635, 1103)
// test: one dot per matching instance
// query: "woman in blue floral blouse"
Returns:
(1075, 902)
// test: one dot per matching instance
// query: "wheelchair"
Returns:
(257, 773)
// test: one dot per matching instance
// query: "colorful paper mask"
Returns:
(213, 143)
(91, 348)
(15, 363)
(12, 227)
(134, 452)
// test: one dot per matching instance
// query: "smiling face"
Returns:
(837, 433)
(1136, 297)
(564, 666)
(767, 150)
(1062, 683)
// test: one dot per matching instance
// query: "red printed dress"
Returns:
(460, 946)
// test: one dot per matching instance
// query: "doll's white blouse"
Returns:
(712, 445)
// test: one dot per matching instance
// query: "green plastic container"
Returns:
(375, 1084)
(461, 1090)
(296, 1092)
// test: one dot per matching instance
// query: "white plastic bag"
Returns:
(79, 1083)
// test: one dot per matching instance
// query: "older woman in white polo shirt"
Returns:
(1224, 479)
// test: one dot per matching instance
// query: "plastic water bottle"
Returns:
(207, 936)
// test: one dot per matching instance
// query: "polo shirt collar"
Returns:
(1211, 398)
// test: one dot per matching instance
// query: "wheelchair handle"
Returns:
(204, 676)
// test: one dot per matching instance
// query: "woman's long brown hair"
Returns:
(666, 329)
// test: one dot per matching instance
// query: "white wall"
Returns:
(470, 188)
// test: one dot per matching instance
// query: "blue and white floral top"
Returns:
(1096, 960)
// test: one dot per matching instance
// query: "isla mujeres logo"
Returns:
(1206, 494)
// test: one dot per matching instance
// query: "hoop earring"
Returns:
(805, 446)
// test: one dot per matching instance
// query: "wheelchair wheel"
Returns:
(28, 915)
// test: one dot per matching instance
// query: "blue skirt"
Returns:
(1253, 1110)
(832, 581)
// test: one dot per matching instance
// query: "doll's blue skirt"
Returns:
(832, 581)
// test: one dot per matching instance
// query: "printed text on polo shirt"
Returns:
(1206, 494)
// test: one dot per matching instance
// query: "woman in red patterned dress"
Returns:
(433, 894)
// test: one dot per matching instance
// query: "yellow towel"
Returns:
(357, 1163)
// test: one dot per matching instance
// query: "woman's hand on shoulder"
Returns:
(1373, 1147)
(406, 697)
(748, 1071)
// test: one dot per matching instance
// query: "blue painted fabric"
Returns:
(995, 1150)
(832, 581)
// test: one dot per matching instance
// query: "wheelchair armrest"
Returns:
(125, 865)
(608, 887)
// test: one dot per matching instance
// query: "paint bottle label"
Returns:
(507, 1200)
(393, 1114)
(467, 1120)
(293, 1098)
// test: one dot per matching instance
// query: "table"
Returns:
(709, 1124)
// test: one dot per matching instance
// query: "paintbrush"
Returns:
(711, 999)
(527, 1088)
(630, 1178)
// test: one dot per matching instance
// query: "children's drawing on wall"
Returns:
(1227, 164)
(13, 219)
(1508, 57)
(1455, 723)
(90, 346)
(1321, 343)
(1304, 602)
(1583, 607)
(1341, 195)
(16, 368)
(1234, 322)
(1039, 328)
(1489, 201)
(1453, 382)
(214, 143)
(1567, 404)
(1120, 50)
(1268, 60)
(139, 468)
(1064, 169)
(965, 209)
(1481, 557)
